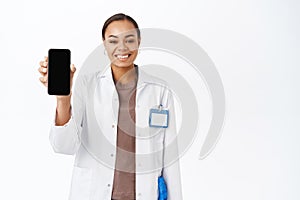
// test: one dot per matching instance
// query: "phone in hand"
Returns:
(59, 61)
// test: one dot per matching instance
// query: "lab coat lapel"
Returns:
(108, 105)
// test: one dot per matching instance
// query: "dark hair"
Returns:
(119, 17)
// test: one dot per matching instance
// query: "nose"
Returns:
(122, 47)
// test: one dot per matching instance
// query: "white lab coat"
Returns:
(95, 104)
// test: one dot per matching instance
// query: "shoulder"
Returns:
(85, 81)
(87, 77)
(145, 77)
(159, 84)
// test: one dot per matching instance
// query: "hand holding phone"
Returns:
(63, 102)
(44, 71)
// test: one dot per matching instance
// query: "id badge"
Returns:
(159, 118)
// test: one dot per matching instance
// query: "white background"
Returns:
(255, 46)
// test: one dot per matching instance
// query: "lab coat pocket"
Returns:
(81, 183)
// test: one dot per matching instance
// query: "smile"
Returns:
(123, 57)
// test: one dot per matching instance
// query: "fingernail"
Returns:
(44, 70)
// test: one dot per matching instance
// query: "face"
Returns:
(121, 43)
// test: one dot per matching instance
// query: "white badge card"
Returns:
(158, 118)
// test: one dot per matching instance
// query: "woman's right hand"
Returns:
(63, 102)
(43, 69)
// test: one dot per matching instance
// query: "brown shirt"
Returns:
(124, 175)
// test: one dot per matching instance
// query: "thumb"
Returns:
(73, 68)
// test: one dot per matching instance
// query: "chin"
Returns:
(122, 64)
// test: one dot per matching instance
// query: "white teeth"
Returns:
(122, 57)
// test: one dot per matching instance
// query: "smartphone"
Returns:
(59, 61)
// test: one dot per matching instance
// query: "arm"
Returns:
(65, 132)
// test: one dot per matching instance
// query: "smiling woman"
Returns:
(139, 157)
(121, 37)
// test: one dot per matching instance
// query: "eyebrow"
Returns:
(131, 35)
(114, 36)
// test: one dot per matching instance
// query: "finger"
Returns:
(43, 70)
(43, 64)
(46, 58)
(73, 68)
(43, 79)
(45, 83)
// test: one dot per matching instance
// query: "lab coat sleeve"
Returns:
(65, 139)
(171, 171)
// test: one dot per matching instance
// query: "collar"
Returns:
(143, 77)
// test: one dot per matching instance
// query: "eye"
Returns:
(130, 41)
(113, 41)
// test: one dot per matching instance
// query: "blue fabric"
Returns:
(162, 188)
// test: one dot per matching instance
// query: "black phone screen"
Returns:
(59, 61)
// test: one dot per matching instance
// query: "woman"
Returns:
(140, 155)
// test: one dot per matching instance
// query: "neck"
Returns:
(123, 74)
